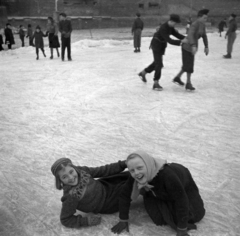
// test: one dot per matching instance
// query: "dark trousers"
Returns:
(9, 46)
(66, 43)
(37, 50)
(22, 40)
(137, 38)
(231, 39)
(156, 65)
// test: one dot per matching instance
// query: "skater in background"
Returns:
(189, 22)
(30, 35)
(137, 32)
(171, 196)
(1, 41)
(158, 46)
(39, 43)
(190, 47)
(65, 27)
(9, 39)
(231, 35)
(221, 25)
(88, 189)
(21, 35)
(52, 31)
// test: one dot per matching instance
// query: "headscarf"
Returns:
(153, 166)
(59, 162)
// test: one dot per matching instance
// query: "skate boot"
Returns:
(157, 86)
(178, 81)
(135, 50)
(37, 57)
(139, 50)
(142, 76)
(228, 56)
(189, 87)
(51, 57)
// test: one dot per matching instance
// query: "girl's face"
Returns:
(68, 176)
(138, 169)
(37, 30)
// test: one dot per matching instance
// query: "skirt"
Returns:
(53, 41)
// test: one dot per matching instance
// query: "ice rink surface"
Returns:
(95, 110)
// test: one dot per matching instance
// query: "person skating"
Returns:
(1, 42)
(231, 35)
(39, 43)
(137, 32)
(52, 30)
(21, 35)
(9, 39)
(65, 27)
(221, 26)
(190, 47)
(158, 46)
(30, 34)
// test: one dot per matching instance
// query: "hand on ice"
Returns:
(182, 232)
(119, 227)
(206, 51)
(194, 50)
(94, 220)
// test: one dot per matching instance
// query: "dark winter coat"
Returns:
(162, 37)
(65, 27)
(232, 27)
(1, 43)
(137, 24)
(29, 32)
(221, 25)
(174, 198)
(21, 33)
(9, 36)
(90, 195)
(38, 36)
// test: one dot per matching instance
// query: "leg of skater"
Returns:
(177, 79)
(42, 49)
(51, 50)
(57, 52)
(37, 52)
(143, 73)
(69, 48)
(158, 70)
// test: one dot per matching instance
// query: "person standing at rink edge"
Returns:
(190, 47)
(158, 46)
(137, 32)
(231, 35)
(65, 27)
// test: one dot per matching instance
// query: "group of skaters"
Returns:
(36, 38)
(188, 43)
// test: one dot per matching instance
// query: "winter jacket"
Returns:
(39, 39)
(9, 39)
(232, 27)
(137, 24)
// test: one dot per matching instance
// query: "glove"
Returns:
(182, 232)
(206, 51)
(94, 220)
(119, 227)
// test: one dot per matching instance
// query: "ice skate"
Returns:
(157, 86)
(142, 76)
(178, 81)
(189, 87)
(227, 56)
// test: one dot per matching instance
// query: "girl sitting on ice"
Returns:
(169, 192)
(84, 193)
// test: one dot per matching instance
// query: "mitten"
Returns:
(94, 220)
(119, 227)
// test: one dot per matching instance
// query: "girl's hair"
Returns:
(51, 19)
(131, 156)
(58, 182)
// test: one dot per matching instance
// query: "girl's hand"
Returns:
(119, 227)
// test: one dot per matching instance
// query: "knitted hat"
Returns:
(233, 15)
(175, 18)
(203, 12)
(59, 162)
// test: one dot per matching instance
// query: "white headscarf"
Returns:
(153, 166)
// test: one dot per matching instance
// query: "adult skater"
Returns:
(65, 27)
(137, 32)
(158, 46)
(231, 35)
(190, 47)
(1, 42)
(88, 189)
(30, 34)
(52, 30)
(171, 196)
(221, 25)
(9, 39)
(22, 35)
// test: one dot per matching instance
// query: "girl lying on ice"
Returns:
(170, 194)
(84, 193)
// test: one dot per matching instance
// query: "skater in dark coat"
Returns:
(9, 39)
(190, 47)
(52, 31)
(137, 32)
(65, 27)
(38, 36)
(1, 43)
(171, 196)
(21, 35)
(221, 26)
(158, 45)
(231, 35)
(88, 189)
(30, 35)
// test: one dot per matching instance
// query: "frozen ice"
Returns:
(95, 110)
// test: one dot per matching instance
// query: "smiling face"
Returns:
(68, 176)
(138, 169)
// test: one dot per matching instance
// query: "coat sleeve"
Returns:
(176, 34)
(205, 40)
(107, 170)
(178, 196)
(166, 37)
(67, 217)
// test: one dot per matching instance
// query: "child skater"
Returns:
(21, 35)
(38, 35)
(171, 197)
(81, 191)
(30, 35)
